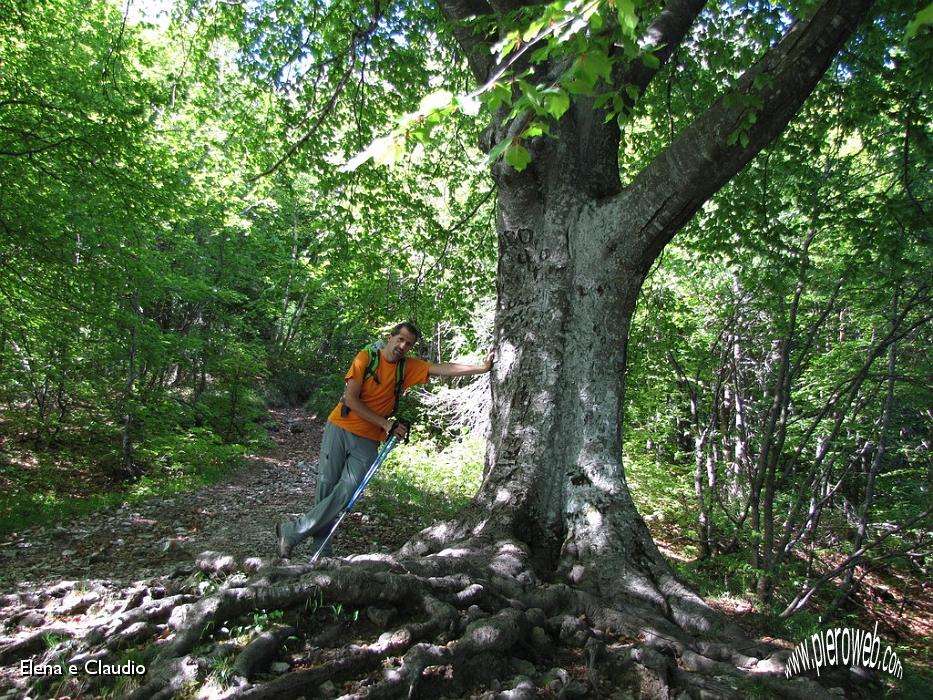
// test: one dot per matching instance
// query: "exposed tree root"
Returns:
(27, 646)
(257, 656)
(466, 621)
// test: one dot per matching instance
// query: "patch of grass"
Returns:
(916, 683)
(57, 486)
(725, 574)
(752, 687)
(260, 621)
(221, 670)
(348, 616)
(52, 639)
(431, 483)
(660, 489)
(22, 510)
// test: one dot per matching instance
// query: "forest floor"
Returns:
(66, 567)
(236, 516)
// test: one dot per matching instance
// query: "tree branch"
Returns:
(357, 37)
(476, 47)
(802, 598)
(666, 33)
(706, 155)
(325, 110)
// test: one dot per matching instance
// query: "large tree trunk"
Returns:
(574, 249)
(554, 477)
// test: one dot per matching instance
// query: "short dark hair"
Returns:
(409, 326)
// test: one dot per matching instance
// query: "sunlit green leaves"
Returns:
(435, 101)
(499, 149)
(628, 17)
(583, 35)
(557, 23)
(517, 156)
(592, 65)
(536, 128)
(499, 93)
(558, 102)
(383, 151)
(650, 60)
(923, 19)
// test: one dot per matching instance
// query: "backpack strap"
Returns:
(370, 370)
(399, 383)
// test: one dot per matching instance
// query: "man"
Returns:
(357, 425)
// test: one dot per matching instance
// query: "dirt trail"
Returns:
(63, 585)
(236, 517)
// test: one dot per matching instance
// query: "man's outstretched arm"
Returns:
(456, 369)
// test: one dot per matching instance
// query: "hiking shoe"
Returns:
(283, 542)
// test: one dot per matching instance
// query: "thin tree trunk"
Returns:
(700, 458)
(776, 431)
(739, 464)
(126, 442)
(875, 467)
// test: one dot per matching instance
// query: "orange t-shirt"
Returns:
(378, 397)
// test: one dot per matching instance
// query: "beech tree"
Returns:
(575, 245)
(554, 526)
(552, 546)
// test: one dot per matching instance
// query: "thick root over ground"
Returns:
(471, 621)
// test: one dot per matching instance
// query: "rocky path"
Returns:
(235, 517)
(111, 580)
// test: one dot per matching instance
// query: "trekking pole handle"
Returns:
(398, 422)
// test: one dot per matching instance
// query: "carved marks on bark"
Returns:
(529, 270)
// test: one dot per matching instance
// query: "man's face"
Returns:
(398, 345)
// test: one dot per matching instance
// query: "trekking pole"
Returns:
(387, 447)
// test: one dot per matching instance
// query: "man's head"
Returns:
(401, 339)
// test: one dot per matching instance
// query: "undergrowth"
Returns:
(428, 480)
(664, 495)
(56, 485)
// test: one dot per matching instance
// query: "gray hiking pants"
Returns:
(345, 458)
